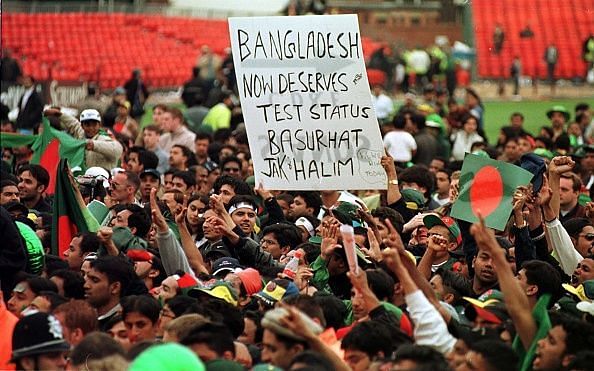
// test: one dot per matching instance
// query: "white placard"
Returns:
(306, 102)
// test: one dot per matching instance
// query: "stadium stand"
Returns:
(563, 23)
(106, 47)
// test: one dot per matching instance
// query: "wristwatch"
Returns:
(393, 182)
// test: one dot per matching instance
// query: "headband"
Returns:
(241, 205)
(302, 221)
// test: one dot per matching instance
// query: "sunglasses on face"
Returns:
(588, 236)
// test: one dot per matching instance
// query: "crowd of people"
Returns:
(195, 266)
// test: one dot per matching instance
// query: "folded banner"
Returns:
(486, 188)
(71, 215)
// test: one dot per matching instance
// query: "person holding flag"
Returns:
(101, 149)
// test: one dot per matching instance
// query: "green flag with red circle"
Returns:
(486, 188)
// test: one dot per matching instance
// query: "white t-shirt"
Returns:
(383, 106)
(400, 145)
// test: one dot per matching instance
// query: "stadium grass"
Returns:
(497, 114)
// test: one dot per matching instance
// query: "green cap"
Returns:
(586, 148)
(544, 153)
(446, 221)
(560, 109)
(167, 357)
(414, 199)
(223, 365)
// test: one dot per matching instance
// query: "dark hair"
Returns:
(548, 143)
(143, 304)
(73, 283)
(96, 345)
(175, 113)
(286, 197)
(582, 106)
(54, 298)
(381, 284)
(312, 199)
(575, 179)
(312, 251)
(372, 337)
(161, 106)
(148, 159)
(6, 183)
(37, 171)
(423, 356)
(239, 186)
(36, 284)
(517, 114)
(53, 264)
(335, 311)
(309, 306)
(399, 121)
(582, 361)
(215, 335)
(311, 361)
(579, 334)
(544, 276)
(187, 153)
(179, 304)
(255, 317)
(117, 269)
(231, 316)
(421, 176)
(139, 219)
(228, 159)
(201, 135)
(498, 355)
(153, 128)
(455, 284)
(243, 198)
(286, 234)
(186, 176)
(89, 243)
(394, 216)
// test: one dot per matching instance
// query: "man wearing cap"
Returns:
(444, 237)
(281, 344)
(149, 179)
(101, 149)
(246, 283)
(559, 116)
(38, 344)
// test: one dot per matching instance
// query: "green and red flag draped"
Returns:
(52, 145)
(11, 140)
(70, 214)
(486, 188)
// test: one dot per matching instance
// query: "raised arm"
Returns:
(517, 302)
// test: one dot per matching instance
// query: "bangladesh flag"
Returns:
(70, 214)
(52, 145)
(487, 187)
(12, 140)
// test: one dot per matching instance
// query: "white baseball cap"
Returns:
(99, 173)
(90, 114)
